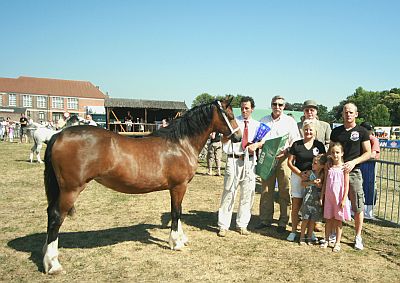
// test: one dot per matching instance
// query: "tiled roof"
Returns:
(140, 103)
(53, 87)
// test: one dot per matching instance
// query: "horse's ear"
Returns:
(229, 99)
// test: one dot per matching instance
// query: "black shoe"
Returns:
(281, 229)
(263, 226)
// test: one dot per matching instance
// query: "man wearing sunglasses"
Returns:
(280, 125)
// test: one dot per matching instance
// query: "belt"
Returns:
(238, 156)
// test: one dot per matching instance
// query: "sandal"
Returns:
(336, 248)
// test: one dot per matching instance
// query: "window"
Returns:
(26, 101)
(57, 102)
(12, 99)
(41, 102)
(56, 117)
(1, 99)
(41, 116)
(72, 103)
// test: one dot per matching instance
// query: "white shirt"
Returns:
(237, 146)
(91, 123)
(280, 127)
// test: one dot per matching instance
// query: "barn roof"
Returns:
(54, 87)
(142, 103)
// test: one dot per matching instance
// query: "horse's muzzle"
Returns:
(236, 138)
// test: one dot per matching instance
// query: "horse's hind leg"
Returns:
(33, 149)
(177, 238)
(56, 213)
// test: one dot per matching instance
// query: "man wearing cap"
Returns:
(323, 129)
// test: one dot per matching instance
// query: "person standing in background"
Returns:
(368, 171)
(214, 153)
(128, 121)
(23, 121)
(322, 129)
(89, 121)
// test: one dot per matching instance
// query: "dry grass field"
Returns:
(123, 238)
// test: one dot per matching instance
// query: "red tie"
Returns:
(245, 135)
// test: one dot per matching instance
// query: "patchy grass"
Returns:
(118, 237)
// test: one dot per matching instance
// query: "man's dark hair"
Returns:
(246, 99)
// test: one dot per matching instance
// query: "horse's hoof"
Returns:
(56, 270)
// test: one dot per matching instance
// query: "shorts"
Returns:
(356, 192)
(297, 190)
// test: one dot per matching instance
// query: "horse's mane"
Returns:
(191, 123)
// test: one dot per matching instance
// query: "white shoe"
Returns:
(291, 237)
(222, 232)
(358, 245)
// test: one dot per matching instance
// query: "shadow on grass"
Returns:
(33, 243)
(208, 220)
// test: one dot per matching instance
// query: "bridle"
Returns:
(222, 111)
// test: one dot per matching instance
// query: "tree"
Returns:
(392, 101)
(379, 108)
(202, 99)
(380, 116)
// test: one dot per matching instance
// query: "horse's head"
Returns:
(226, 123)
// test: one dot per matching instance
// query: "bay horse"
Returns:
(164, 160)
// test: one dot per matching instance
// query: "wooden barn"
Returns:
(138, 116)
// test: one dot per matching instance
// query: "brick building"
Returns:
(47, 99)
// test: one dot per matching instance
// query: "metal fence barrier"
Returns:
(382, 185)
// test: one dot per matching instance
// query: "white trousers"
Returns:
(238, 174)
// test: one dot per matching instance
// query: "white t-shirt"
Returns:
(280, 127)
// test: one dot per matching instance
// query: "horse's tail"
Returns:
(50, 180)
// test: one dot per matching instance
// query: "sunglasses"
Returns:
(277, 104)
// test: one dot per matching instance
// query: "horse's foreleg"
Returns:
(38, 148)
(177, 238)
(33, 149)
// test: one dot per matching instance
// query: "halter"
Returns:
(226, 119)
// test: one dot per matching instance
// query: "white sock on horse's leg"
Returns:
(50, 260)
(182, 235)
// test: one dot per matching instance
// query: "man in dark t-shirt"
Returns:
(23, 121)
(357, 149)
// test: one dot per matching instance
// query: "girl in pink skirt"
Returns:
(336, 205)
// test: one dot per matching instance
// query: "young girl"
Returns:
(336, 206)
(311, 209)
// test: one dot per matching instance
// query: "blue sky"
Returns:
(176, 50)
